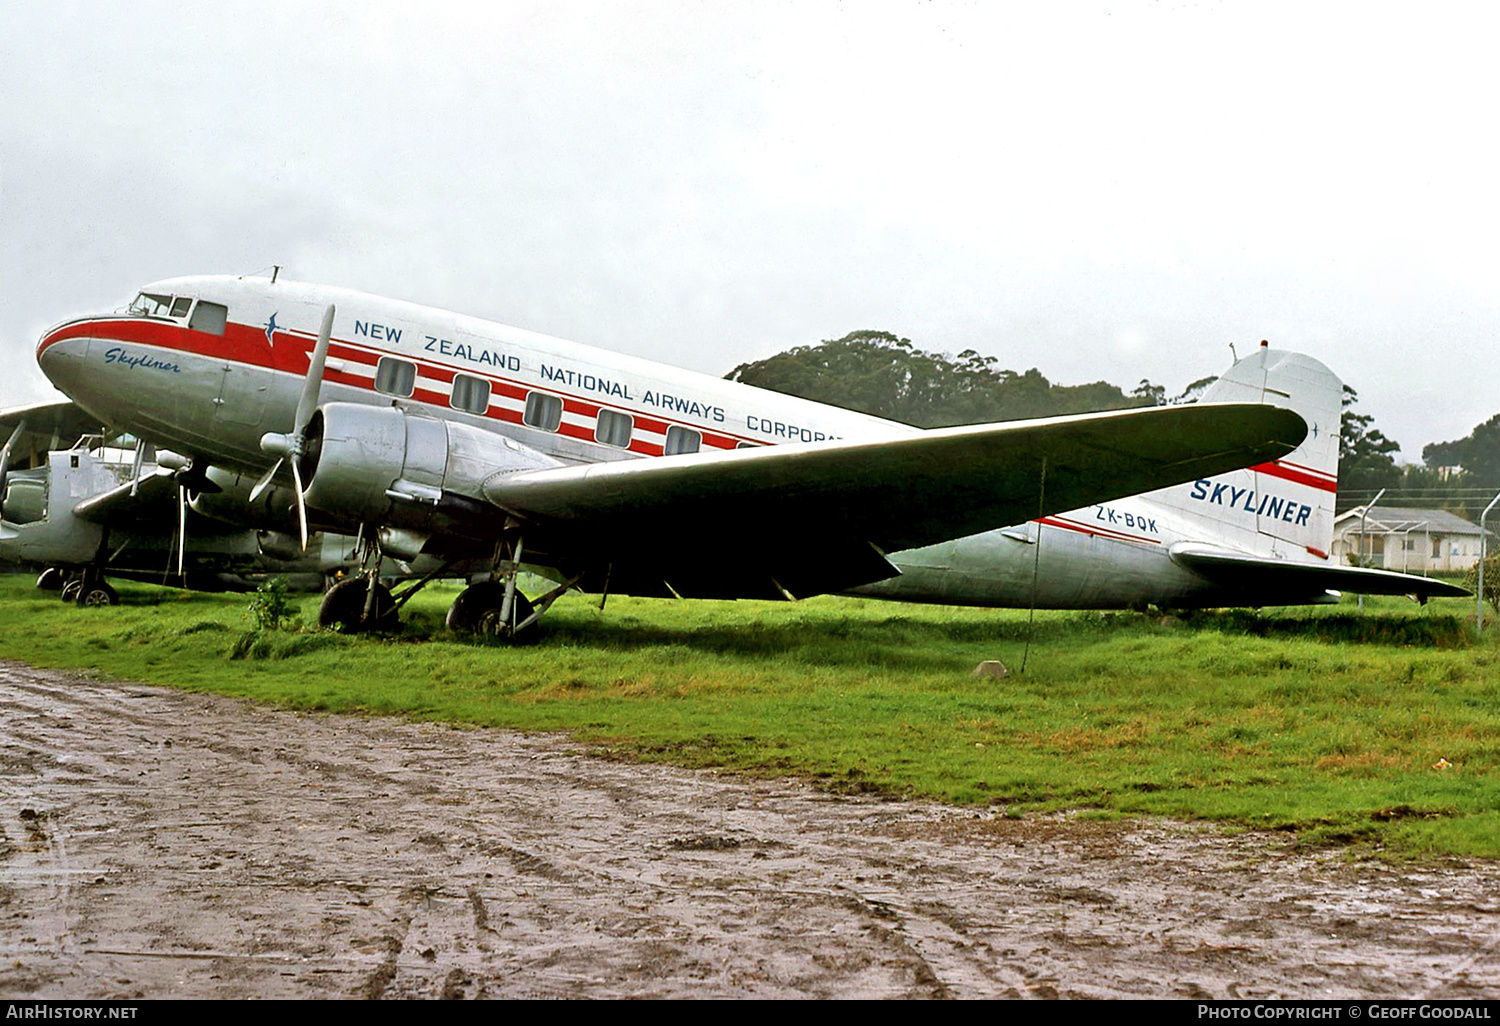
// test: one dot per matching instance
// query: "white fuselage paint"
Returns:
(214, 394)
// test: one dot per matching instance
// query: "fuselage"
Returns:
(208, 365)
(212, 383)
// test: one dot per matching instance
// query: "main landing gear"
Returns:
(361, 604)
(86, 588)
(481, 609)
(351, 606)
(495, 608)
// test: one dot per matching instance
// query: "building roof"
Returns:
(1389, 519)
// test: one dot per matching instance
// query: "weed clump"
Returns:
(271, 605)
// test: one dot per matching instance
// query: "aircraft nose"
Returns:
(61, 354)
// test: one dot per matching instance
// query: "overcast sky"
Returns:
(1107, 191)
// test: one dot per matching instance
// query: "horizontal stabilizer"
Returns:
(1290, 577)
(150, 501)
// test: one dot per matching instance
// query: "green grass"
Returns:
(1381, 731)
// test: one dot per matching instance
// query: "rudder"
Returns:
(1284, 507)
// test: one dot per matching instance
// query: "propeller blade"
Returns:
(287, 448)
(301, 506)
(308, 403)
(265, 482)
(181, 528)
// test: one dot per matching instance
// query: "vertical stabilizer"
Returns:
(1285, 507)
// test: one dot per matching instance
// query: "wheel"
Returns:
(51, 579)
(471, 604)
(98, 593)
(477, 611)
(491, 626)
(344, 607)
(70, 591)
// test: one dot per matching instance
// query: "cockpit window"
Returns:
(180, 306)
(148, 305)
(209, 317)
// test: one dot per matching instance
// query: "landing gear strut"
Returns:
(347, 603)
(495, 608)
(478, 610)
(361, 603)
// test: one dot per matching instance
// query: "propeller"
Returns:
(288, 448)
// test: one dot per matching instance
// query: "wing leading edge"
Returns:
(810, 518)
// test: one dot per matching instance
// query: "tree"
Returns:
(882, 374)
(1478, 454)
(1366, 457)
(1195, 391)
(1149, 394)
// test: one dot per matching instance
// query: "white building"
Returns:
(1410, 540)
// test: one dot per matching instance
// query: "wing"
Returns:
(809, 518)
(46, 426)
(1290, 579)
(150, 502)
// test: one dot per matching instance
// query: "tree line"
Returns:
(878, 373)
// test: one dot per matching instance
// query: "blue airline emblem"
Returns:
(270, 330)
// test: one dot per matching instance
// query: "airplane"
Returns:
(1259, 536)
(93, 511)
(427, 433)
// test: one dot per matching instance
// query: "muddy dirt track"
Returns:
(158, 844)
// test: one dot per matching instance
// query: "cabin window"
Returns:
(542, 411)
(747, 445)
(180, 306)
(209, 317)
(614, 428)
(149, 305)
(681, 439)
(395, 377)
(472, 395)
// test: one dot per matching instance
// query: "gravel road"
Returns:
(158, 844)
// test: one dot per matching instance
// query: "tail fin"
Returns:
(1282, 508)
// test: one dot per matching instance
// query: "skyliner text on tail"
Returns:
(489, 449)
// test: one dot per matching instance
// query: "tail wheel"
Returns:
(97, 594)
(344, 608)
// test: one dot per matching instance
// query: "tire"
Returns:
(97, 594)
(51, 579)
(477, 611)
(472, 603)
(70, 590)
(344, 608)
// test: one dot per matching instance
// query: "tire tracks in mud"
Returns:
(162, 844)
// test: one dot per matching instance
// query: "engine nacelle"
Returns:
(382, 465)
(25, 499)
(272, 511)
